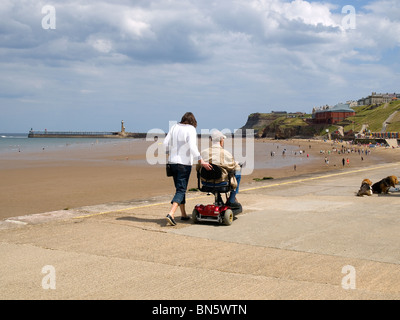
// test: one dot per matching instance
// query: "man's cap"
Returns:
(217, 135)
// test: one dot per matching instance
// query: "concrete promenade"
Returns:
(307, 237)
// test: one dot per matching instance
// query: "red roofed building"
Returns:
(333, 115)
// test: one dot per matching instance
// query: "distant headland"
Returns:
(376, 118)
(75, 134)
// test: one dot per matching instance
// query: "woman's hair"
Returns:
(188, 118)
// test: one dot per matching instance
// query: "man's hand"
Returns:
(206, 165)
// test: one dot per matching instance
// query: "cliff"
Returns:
(280, 126)
(378, 118)
(259, 121)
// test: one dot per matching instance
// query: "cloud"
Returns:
(172, 32)
(160, 32)
(226, 57)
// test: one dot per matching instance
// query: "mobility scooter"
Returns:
(220, 211)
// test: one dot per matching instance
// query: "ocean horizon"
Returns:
(19, 142)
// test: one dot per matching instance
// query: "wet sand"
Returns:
(52, 180)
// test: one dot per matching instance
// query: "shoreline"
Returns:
(75, 177)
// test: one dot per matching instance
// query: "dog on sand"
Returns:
(384, 185)
(365, 189)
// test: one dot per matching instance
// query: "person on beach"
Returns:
(181, 146)
(217, 155)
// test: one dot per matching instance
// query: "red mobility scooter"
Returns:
(219, 212)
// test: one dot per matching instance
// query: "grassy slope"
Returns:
(284, 122)
(374, 117)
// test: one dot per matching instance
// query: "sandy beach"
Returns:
(50, 180)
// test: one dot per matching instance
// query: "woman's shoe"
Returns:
(170, 220)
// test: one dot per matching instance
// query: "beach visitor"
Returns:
(217, 155)
(182, 138)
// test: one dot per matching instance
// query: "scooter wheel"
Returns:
(228, 217)
(194, 215)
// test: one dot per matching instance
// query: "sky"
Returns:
(86, 65)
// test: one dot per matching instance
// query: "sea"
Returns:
(19, 142)
(266, 155)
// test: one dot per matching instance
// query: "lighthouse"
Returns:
(122, 127)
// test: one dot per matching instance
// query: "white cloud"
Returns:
(134, 27)
(101, 45)
(309, 13)
(204, 54)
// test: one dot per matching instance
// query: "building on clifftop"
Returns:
(332, 115)
(378, 98)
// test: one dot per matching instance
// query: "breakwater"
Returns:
(73, 134)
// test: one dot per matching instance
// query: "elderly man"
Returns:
(217, 155)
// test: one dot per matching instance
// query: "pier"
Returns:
(84, 134)
(71, 134)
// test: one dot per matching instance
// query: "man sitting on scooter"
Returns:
(217, 155)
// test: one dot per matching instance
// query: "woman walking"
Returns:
(181, 146)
